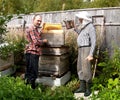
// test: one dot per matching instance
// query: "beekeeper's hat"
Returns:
(84, 15)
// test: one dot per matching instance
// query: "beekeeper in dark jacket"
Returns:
(86, 46)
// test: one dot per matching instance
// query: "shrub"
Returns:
(108, 67)
(14, 89)
(110, 92)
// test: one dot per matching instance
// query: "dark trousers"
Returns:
(31, 66)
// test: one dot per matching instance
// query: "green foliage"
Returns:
(113, 83)
(59, 93)
(109, 68)
(48, 5)
(73, 84)
(5, 51)
(14, 89)
(105, 3)
(14, 46)
(57, 5)
(10, 6)
(29, 6)
(110, 92)
(26, 6)
(3, 20)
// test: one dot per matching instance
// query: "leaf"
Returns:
(102, 64)
(116, 81)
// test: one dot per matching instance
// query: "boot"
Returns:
(88, 89)
(82, 87)
(27, 82)
(31, 82)
(33, 86)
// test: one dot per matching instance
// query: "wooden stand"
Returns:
(54, 61)
(54, 81)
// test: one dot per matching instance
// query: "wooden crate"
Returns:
(8, 71)
(54, 37)
(53, 65)
(6, 66)
(55, 50)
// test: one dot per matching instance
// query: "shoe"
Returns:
(88, 90)
(33, 86)
(27, 82)
(82, 88)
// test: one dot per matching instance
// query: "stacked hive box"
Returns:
(54, 60)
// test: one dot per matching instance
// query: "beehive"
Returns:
(54, 37)
(55, 50)
(53, 64)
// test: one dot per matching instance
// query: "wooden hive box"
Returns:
(54, 37)
(53, 65)
(6, 65)
(55, 50)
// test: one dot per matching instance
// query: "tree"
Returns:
(11, 6)
(105, 3)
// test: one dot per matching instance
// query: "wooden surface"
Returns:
(54, 37)
(6, 63)
(55, 50)
(53, 65)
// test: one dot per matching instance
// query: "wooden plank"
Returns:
(53, 59)
(6, 66)
(108, 24)
(56, 70)
(7, 63)
(55, 50)
(8, 71)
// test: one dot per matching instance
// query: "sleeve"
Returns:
(92, 34)
(35, 38)
(77, 31)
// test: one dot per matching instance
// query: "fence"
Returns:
(111, 22)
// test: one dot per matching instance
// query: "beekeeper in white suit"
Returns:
(86, 42)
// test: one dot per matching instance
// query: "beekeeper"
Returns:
(86, 42)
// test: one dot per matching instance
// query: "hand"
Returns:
(45, 40)
(43, 25)
(42, 29)
(89, 58)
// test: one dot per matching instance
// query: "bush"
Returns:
(110, 92)
(105, 3)
(108, 68)
(14, 89)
